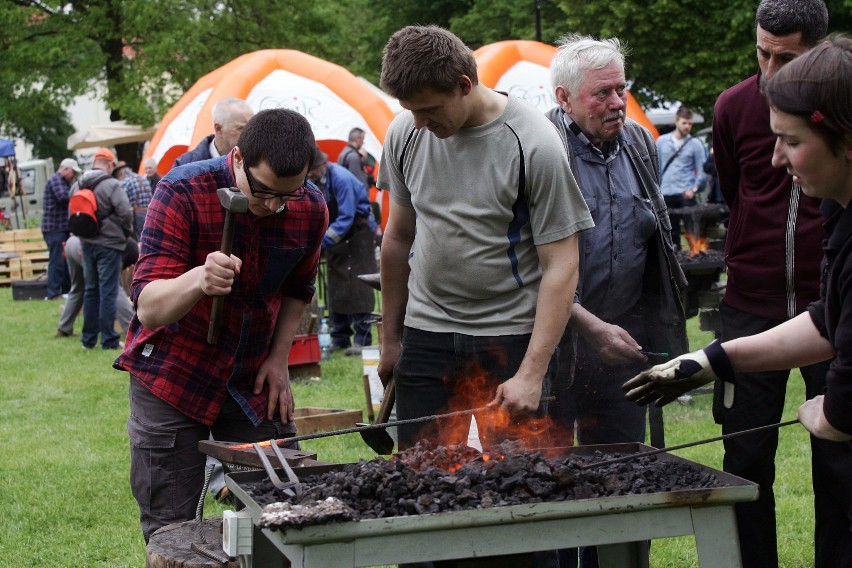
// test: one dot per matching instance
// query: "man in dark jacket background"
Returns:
(349, 248)
(350, 157)
(229, 118)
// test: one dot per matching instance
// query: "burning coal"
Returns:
(432, 479)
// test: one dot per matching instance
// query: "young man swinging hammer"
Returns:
(182, 386)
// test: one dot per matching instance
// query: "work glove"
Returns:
(664, 383)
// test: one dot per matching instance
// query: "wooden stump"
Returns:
(169, 547)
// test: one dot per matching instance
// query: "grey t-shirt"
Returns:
(474, 266)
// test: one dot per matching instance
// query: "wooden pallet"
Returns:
(23, 255)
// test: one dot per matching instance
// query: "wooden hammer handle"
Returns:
(219, 301)
(387, 403)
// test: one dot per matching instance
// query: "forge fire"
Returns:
(432, 479)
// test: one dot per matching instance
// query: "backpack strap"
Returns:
(669, 162)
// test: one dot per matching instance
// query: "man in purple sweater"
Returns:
(773, 259)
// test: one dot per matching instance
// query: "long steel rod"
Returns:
(385, 425)
(688, 444)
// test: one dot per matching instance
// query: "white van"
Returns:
(25, 212)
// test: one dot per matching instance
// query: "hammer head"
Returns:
(232, 199)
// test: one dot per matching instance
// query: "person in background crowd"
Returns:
(74, 302)
(714, 194)
(182, 388)
(624, 303)
(348, 245)
(102, 253)
(151, 173)
(138, 193)
(351, 158)
(811, 118)
(681, 170)
(230, 116)
(54, 225)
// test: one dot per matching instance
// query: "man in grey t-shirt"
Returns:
(473, 308)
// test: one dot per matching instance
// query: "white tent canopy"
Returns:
(109, 135)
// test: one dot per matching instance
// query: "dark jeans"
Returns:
(434, 369)
(166, 468)
(759, 400)
(342, 326)
(101, 270)
(58, 279)
(437, 368)
(676, 202)
(138, 223)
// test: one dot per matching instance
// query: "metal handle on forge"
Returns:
(688, 444)
(385, 425)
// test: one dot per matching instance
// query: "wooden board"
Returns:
(23, 255)
(311, 419)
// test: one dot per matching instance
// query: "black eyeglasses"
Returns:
(294, 196)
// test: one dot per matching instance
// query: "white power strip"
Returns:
(236, 533)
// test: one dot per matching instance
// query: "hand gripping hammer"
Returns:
(234, 201)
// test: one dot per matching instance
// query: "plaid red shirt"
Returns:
(280, 255)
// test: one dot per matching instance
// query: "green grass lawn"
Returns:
(65, 497)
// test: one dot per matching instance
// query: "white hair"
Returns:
(578, 54)
(223, 109)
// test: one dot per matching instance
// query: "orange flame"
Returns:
(494, 424)
(697, 244)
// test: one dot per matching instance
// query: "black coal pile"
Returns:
(710, 256)
(431, 479)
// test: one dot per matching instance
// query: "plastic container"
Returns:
(324, 339)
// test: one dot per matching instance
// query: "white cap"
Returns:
(71, 163)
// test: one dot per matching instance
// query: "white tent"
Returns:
(109, 135)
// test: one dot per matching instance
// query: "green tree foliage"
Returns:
(138, 57)
(372, 22)
(689, 50)
(489, 21)
(686, 50)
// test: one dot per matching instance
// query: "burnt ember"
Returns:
(301, 514)
(419, 481)
(707, 256)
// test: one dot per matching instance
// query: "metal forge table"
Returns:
(619, 526)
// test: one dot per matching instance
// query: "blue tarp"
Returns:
(7, 147)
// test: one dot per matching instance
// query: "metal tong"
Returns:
(291, 488)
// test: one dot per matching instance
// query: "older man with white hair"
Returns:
(627, 302)
(230, 116)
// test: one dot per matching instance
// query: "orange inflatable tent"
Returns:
(329, 96)
(522, 68)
